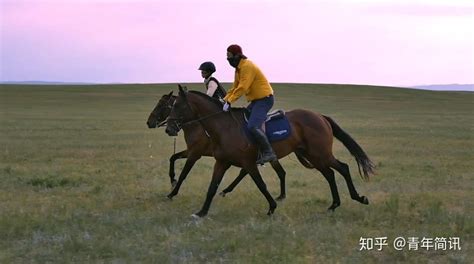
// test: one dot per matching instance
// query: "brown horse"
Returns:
(312, 137)
(198, 144)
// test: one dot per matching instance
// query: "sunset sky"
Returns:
(396, 43)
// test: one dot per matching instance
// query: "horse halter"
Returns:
(169, 106)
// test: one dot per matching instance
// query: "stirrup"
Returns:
(269, 158)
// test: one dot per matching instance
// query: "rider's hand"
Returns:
(226, 106)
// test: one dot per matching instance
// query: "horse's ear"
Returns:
(182, 90)
(171, 93)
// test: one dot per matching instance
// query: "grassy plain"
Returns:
(82, 179)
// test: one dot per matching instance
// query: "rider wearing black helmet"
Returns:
(213, 87)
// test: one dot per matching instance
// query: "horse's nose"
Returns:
(151, 124)
(170, 132)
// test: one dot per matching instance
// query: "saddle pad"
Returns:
(276, 129)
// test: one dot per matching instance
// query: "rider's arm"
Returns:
(245, 79)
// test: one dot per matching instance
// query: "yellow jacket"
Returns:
(249, 80)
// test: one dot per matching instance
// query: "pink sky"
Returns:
(399, 43)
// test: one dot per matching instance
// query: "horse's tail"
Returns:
(362, 159)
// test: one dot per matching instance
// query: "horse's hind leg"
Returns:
(281, 175)
(329, 175)
(343, 169)
(180, 155)
(237, 180)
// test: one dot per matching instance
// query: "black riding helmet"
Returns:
(207, 66)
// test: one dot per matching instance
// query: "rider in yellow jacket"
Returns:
(250, 81)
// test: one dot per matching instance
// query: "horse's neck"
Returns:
(192, 132)
(221, 126)
(216, 125)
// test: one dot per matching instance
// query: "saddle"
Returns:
(275, 114)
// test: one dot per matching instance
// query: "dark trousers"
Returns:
(258, 111)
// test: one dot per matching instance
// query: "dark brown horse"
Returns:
(312, 137)
(198, 144)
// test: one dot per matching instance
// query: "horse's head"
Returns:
(161, 111)
(181, 113)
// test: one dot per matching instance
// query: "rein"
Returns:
(162, 123)
(177, 120)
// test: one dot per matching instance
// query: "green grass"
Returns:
(84, 180)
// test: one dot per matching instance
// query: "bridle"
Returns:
(168, 106)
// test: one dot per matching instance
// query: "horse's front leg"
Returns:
(180, 155)
(257, 178)
(187, 167)
(220, 167)
(237, 180)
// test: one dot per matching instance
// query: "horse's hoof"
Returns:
(170, 197)
(198, 215)
(365, 200)
(333, 207)
(271, 211)
(222, 194)
(195, 217)
(173, 184)
(280, 198)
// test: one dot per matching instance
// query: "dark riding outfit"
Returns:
(213, 87)
(250, 81)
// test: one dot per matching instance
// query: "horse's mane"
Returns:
(216, 101)
(211, 99)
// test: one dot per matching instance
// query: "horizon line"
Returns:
(39, 83)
